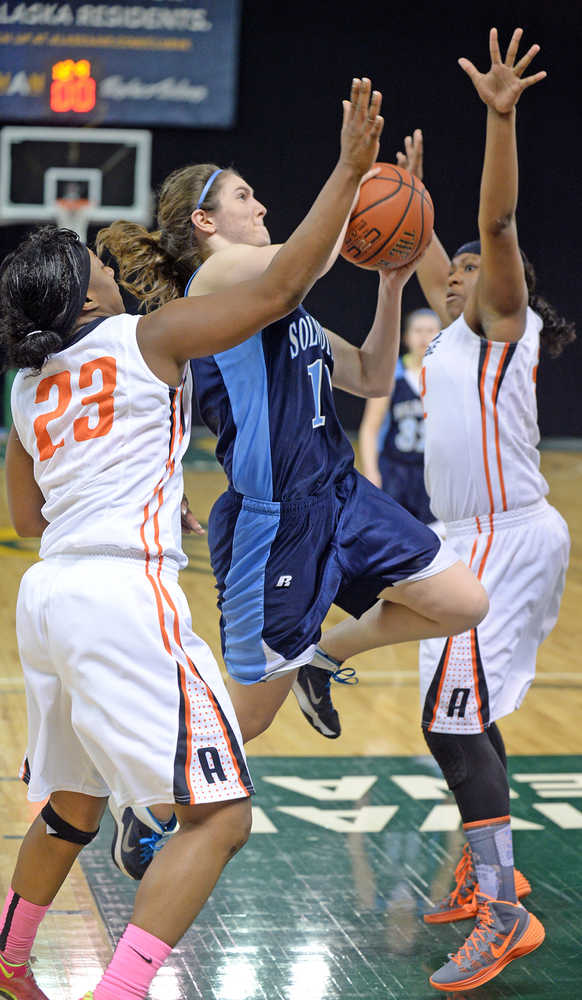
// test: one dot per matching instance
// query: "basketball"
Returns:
(392, 222)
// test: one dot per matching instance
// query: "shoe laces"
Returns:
(344, 675)
(478, 934)
(464, 877)
(150, 846)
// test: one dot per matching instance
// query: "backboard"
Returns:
(108, 168)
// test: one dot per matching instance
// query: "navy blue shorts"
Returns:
(280, 566)
(405, 484)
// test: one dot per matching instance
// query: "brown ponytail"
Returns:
(155, 267)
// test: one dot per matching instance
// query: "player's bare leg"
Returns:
(445, 604)
(186, 871)
(256, 705)
(44, 860)
(183, 876)
(46, 856)
(172, 893)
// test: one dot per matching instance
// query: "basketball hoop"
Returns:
(73, 213)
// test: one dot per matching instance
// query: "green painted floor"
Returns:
(326, 899)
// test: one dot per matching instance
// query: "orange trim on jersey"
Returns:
(534, 373)
(496, 423)
(188, 721)
(442, 681)
(473, 551)
(484, 425)
(486, 822)
(487, 549)
(476, 676)
(180, 431)
(158, 494)
(166, 641)
(178, 639)
(159, 605)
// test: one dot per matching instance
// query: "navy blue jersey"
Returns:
(401, 436)
(270, 403)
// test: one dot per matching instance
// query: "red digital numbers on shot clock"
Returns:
(73, 88)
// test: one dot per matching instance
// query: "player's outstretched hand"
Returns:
(412, 157)
(361, 127)
(502, 86)
(396, 277)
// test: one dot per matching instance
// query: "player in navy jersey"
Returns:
(298, 529)
(122, 696)
(391, 436)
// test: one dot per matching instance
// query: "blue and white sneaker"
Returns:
(313, 692)
(138, 837)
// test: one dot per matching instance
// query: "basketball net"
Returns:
(73, 213)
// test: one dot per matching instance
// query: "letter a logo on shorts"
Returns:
(284, 581)
(458, 702)
(211, 765)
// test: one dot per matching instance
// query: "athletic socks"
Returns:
(492, 850)
(137, 958)
(324, 661)
(18, 926)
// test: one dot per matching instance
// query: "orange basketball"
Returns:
(392, 221)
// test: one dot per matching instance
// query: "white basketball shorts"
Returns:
(472, 679)
(123, 698)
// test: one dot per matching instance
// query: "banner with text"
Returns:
(160, 62)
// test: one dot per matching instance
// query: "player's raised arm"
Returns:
(213, 323)
(499, 302)
(433, 270)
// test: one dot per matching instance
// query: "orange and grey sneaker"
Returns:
(18, 983)
(461, 903)
(503, 932)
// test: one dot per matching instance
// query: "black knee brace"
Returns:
(496, 738)
(474, 772)
(57, 827)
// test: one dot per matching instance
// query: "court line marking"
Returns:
(376, 677)
(385, 676)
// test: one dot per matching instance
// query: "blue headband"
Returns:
(473, 247)
(207, 186)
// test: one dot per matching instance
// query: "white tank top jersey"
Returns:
(481, 422)
(107, 438)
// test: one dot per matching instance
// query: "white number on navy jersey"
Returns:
(410, 436)
(315, 372)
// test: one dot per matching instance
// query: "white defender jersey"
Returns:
(481, 422)
(107, 439)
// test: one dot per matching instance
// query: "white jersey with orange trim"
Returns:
(481, 422)
(107, 439)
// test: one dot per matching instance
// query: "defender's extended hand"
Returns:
(501, 88)
(412, 158)
(361, 127)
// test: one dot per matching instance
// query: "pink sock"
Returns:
(18, 926)
(137, 958)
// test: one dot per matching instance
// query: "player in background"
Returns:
(482, 474)
(298, 528)
(391, 435)
(123, 698)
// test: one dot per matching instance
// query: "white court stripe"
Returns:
(398, 676)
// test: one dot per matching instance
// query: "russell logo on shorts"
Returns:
(284, 581)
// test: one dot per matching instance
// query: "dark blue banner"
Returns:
(149, 63)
